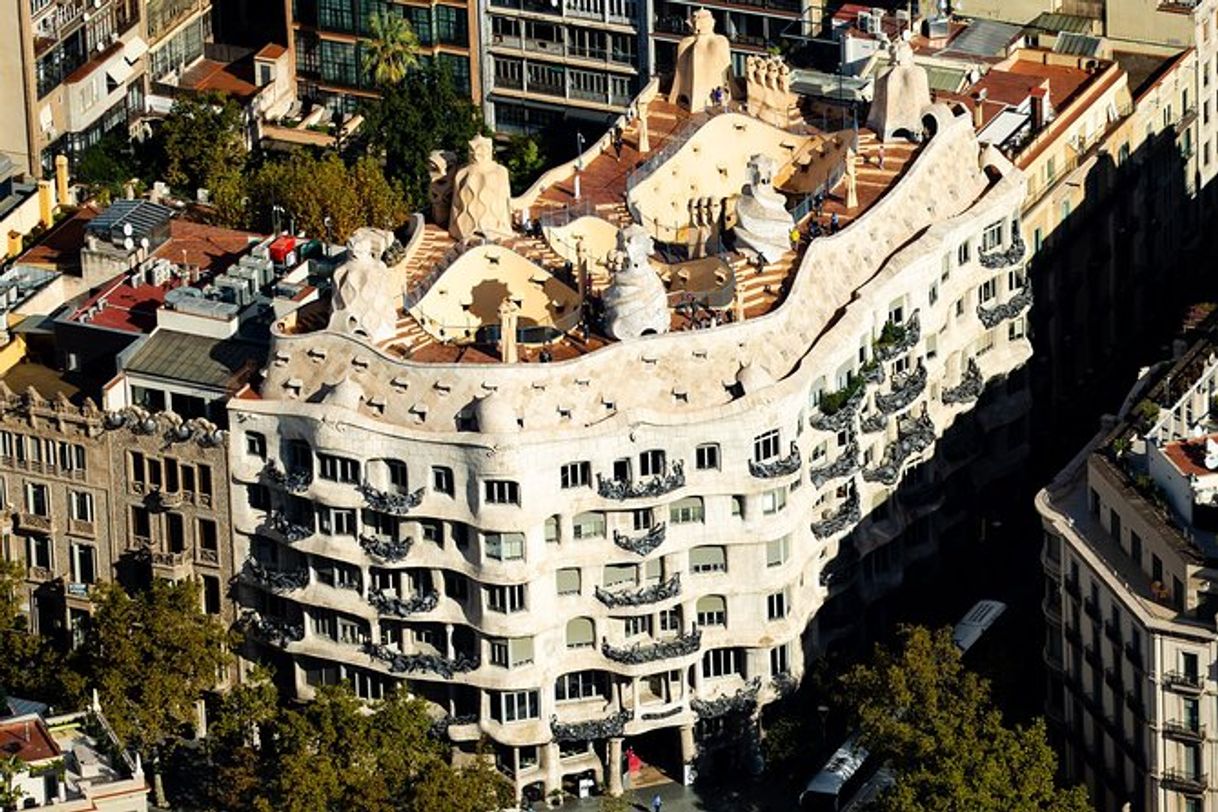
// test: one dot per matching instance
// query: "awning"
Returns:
(134, 50)
(119, 72)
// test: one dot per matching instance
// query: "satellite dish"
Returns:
(1211, 454)
(128, 243)
(127, 229)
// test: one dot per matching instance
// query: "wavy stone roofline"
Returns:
(944, 192)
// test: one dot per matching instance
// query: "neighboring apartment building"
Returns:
(556, 559)
(70, 762)
(325, 41)
(1130, 560)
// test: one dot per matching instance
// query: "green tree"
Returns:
(11, 768)
(200, 137)
(234, 736)
(392, 50)
(920, 710)
(108, 164)
(31, 667)
(524, 161)
(411, 119)
(310, 190)
(151, 656)
(476, 786)
(615, 803)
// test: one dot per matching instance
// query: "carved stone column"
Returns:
(448, 640)
(613, 767)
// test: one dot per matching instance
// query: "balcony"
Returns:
(386, 550)
(641, 653)
(394, 504)
(969, 388)
(905, 389)
(846, 463)
(837, 409)
(1112, 631)
(993, 316)
(32, 522)
(296, 481)
(159, 501)
(400, 663)
(742, 702)
(1113, 677)
(1073, 589)
(644, 544)
(1011, 255)
(1135, 704)
(1092, 656)
(659, 485)
(609, 727)
(897, 339)
(913, 436)
(1052, 608)
(388, 603)
(1091, 609)
(1184, 683)
(1133, 655)
(662, 591)
(168, 565)
(1187, 782)
(1182, 731)
(278, 523)
(846, 516)
(79, 527)
(784, 466)
(273, 630)
(276, 580)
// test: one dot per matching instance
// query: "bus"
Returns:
(849, 781)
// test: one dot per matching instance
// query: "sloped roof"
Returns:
(985, 38)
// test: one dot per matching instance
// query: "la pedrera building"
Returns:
(598, 479)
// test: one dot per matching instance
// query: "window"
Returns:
(442, 480)
(511, 652)
(505, 599)
(337, 521)
(776, 606)
(588, 526)
(636, 626)
(643, 519)
(738, 506)
(397, 474)
(504, 546)
(456, 586)
(581, 633)
(337, 469)
(706, 457)
(765, 446)
(81, 505)
(962, 254)
(255, 444)
(38, 552)
(84, 564)
(712, 610)
(211, 594)
(141, 524)
(687, 511)
(779, 660)
(502, 492)
(933, 294)
(514, 706)
(615, 574)
(773, 501)
(579, 685)
(576, 475)
(37, 501)
(708, 559)
(987, 291)
(208, 537)
(722, 662)
(670, 620)
(1135, 548)
(651, 463)
(991, 237)
(777, 551)
(568, 581)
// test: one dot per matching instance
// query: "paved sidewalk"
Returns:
(676, 798)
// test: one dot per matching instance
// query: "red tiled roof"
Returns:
(28, 740)
(1189, 456)
(59, 250)
(211, 249)
(209, 76)
(271, 51)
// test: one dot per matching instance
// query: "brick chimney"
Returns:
(979, 108)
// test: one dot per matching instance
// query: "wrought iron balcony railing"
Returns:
(905, 389)
(644, 544)
(274, 630)
(743, 702)
(912, 436)
(909, 333)
(276, 580)
(388, 604)
(775, 468)
(993, 316)
(847, 515)
(969, 388)
(591, 730)
(400, 663)
(843, 417)
(640, 653)
(1011, 255)
(386, 550)
(655, 593)
(395, 504)
(655, 486)
(846, 463)
(279, 522)
(294, 482)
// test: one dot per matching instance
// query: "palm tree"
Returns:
(392, 50)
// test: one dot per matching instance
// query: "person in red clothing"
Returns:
(633, 765)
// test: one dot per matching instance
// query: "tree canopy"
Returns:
(420, 114)
(151, 656)
(391, 51)
(200, 137)
(31, 666)
(331, 754)
(933, 721)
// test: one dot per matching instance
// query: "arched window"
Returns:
(712, 610)
(581, 633)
